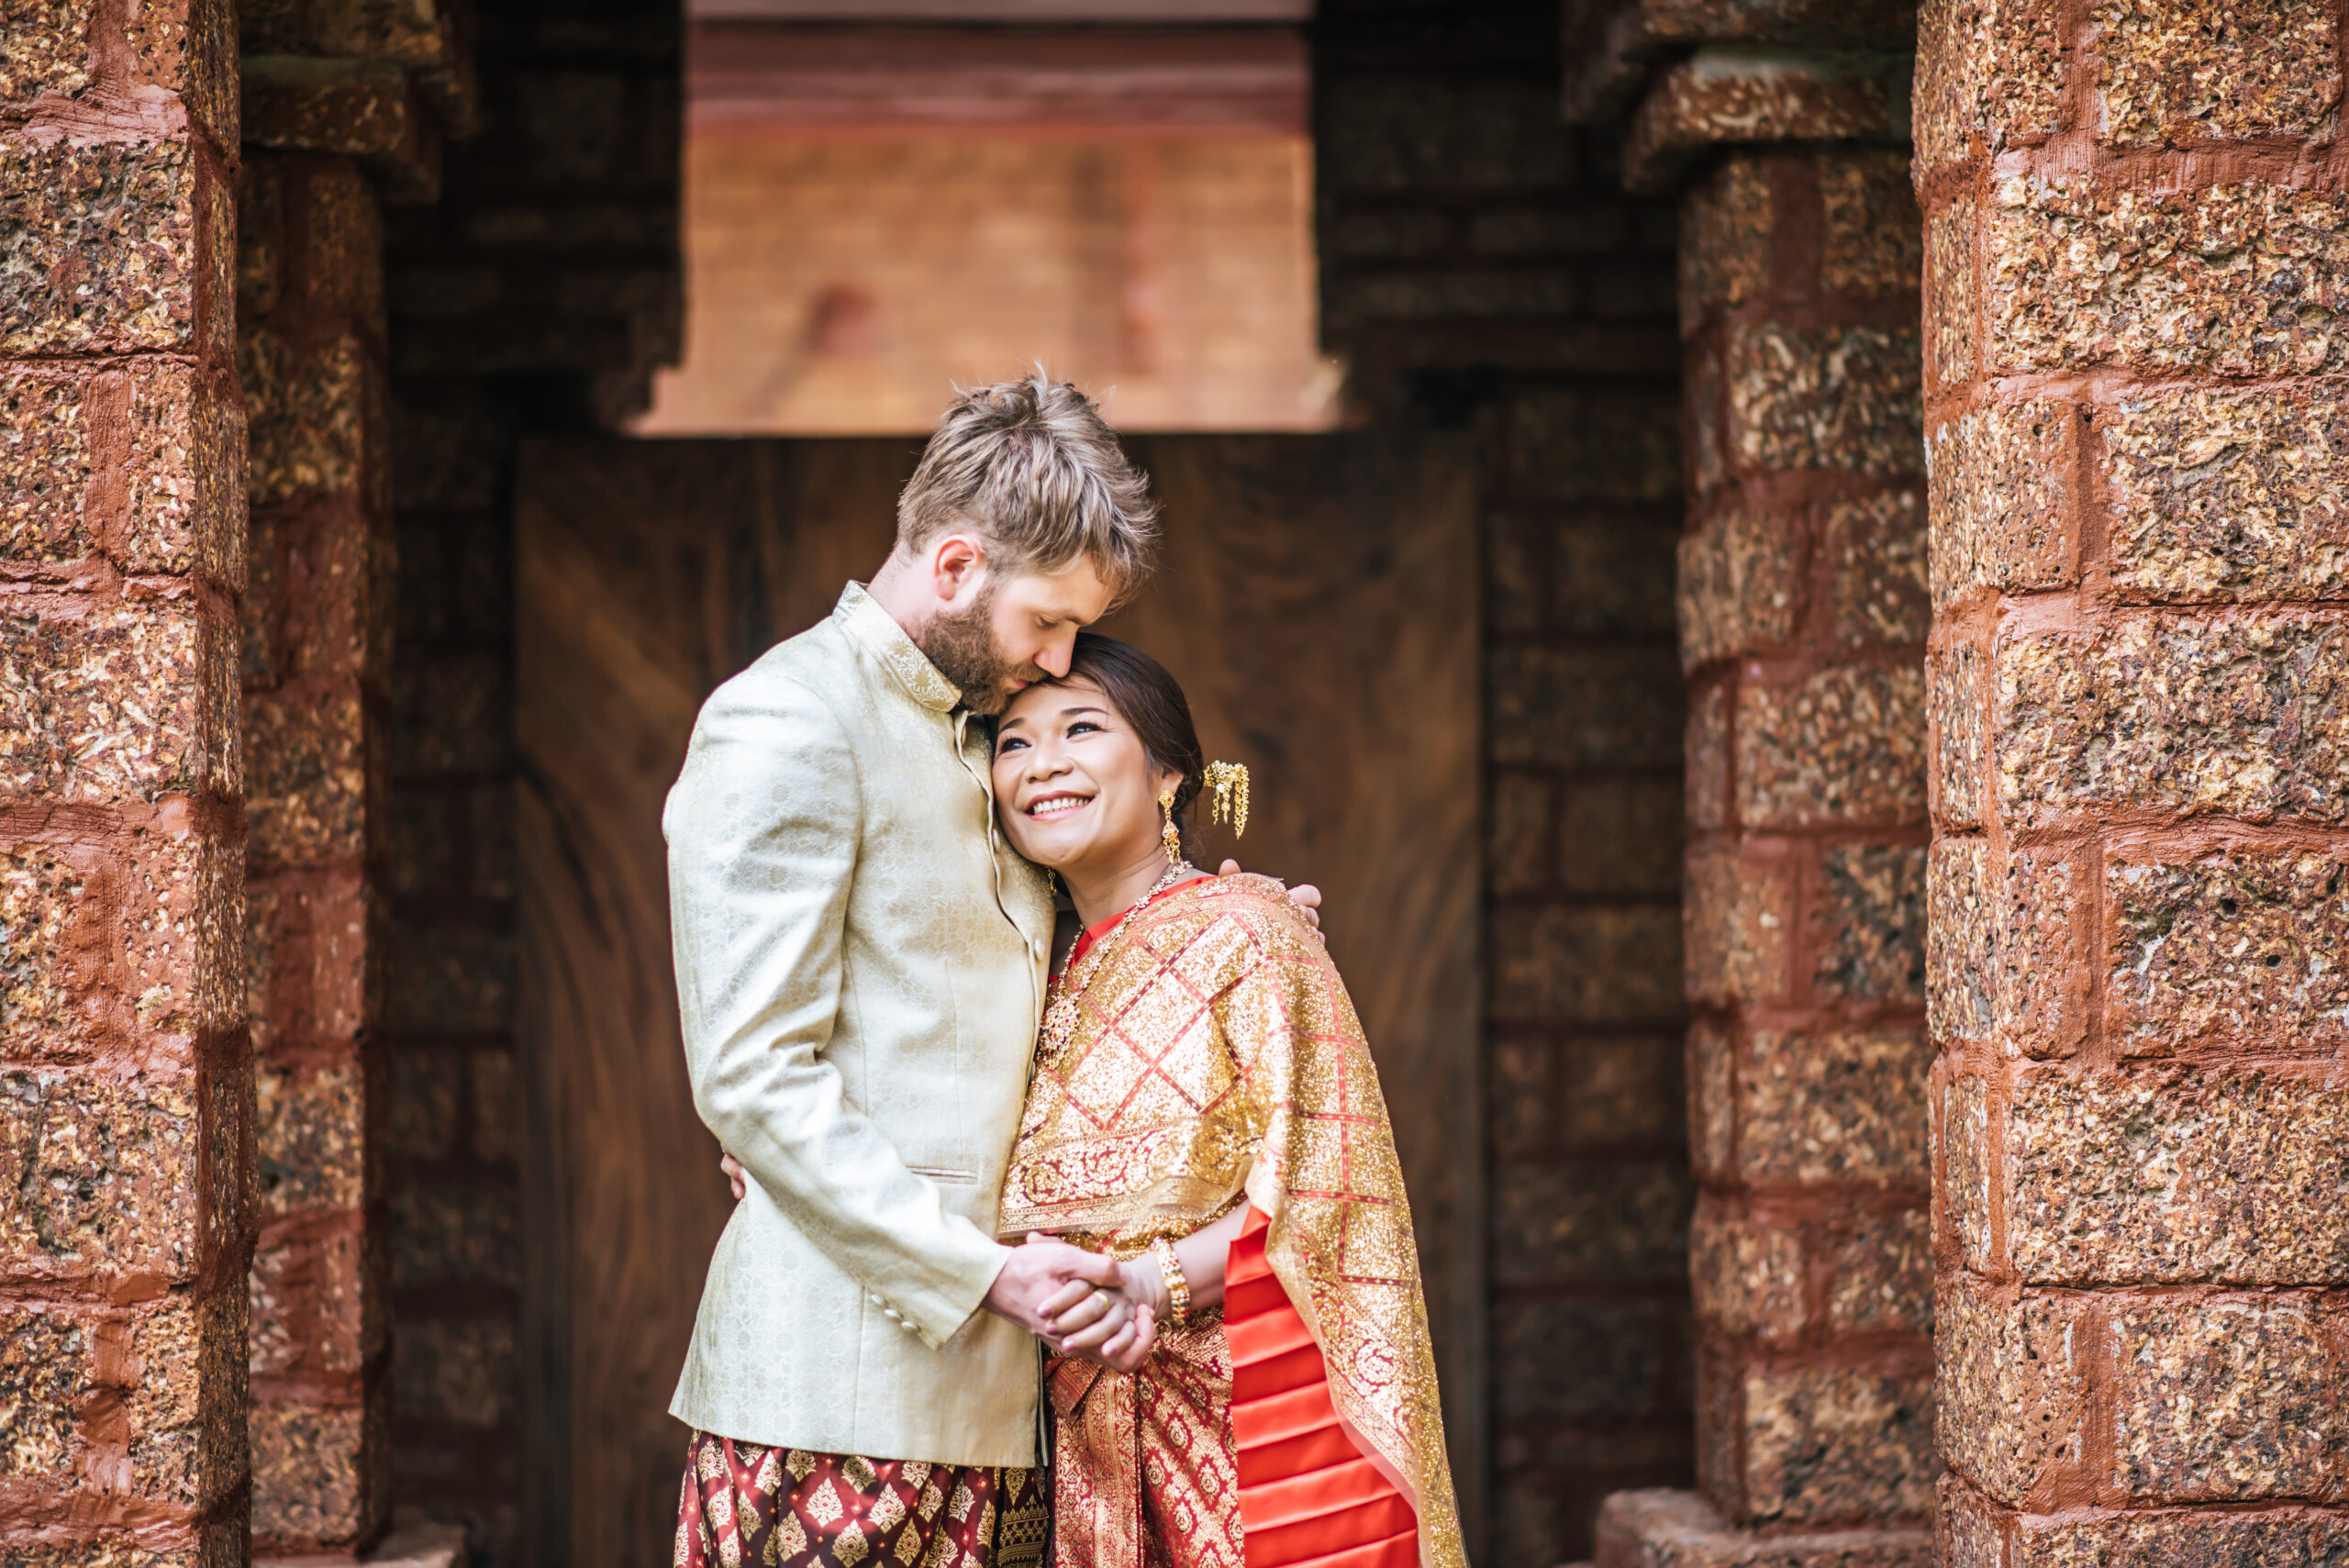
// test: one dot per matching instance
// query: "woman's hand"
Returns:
(735, 1175)
(1114, 1327)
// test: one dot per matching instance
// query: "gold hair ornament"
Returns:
(1228, 781)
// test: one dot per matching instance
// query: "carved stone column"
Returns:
(126, 1086)
(1803, 614)
(2138, 253)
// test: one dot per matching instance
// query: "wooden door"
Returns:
(1317, 600)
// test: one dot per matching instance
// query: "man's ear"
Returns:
(956, 564)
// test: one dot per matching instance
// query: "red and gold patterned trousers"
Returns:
(745, 1505)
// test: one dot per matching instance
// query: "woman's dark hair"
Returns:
(1151, 700)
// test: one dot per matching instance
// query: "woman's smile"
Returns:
(1057, 805)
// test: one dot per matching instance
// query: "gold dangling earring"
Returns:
(1172, 836)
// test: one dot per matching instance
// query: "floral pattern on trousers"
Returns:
(748, 1506)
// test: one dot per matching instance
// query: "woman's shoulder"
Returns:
(1257, 909)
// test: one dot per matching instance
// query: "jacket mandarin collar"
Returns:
(886, 640)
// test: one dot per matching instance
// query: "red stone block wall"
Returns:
(126, 1086)
(1803, 613)
(1481, 266)
(317, 647)
(538, 294)
(2138, 243)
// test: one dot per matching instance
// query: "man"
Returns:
(861, 967)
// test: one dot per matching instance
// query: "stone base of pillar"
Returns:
(419, 1545)
(1679, 1529)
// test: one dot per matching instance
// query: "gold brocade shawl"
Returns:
(1216, 1053)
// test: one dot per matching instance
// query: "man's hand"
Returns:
(735, 1175)
(1305, 895)
(1087, 1320)
(1042, 1271)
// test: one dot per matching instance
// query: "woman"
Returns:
(1204, 1110)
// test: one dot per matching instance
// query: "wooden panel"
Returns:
(1319, 601)
(1318, 604)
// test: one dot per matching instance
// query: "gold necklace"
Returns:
(1060, 1018)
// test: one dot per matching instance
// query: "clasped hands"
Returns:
(1082, 1304)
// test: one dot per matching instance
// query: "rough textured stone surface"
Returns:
(1878, 549)
(2240, 279)
(1656, 1529)
(1829, 1444)
(2004, 961)
(1847, 1105)
(1959, 711)
(1724, 229)
(45, 48)
(306, 774)
(98, 1173)
(1706, 781)
(50, 940)
(1873, 243)
(2186, 74)
(2176, 1540)
(308, 413)
(103, 247)
(1963, 1132)
(2167, 1175)
(2217, 495)
(1825, 398)
(44, 1374)
(1999, 481)
(1699, 104)
(1738, 589)
(309, 1307)
(171, 495)
(1989, 73)
(119, 702)
(189, 48)
(306, 1472)
(45, 463)
(1713, 1099)
(1735, 912)
(1868, 925)
(1883, 1279)
(2011, 1387)
(1846, 744)
(311, 1131)
(1950, 299)
(2241, 718)
(2241, 949)
(2220, 1399)
(1746, 1272)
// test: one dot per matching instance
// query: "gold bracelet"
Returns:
(1178, 1289)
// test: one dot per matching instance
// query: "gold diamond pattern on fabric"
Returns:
(1214, 1053)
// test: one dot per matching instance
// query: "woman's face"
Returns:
(1075, 787)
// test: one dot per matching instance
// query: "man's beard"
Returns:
(963, 648)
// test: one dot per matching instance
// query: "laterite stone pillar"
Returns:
(1803, 614)
(316, 646)
(125, 1087)
(2138, 252)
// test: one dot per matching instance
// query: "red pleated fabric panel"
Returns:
(1307, 1495)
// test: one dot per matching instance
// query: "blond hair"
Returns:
(1033, 469)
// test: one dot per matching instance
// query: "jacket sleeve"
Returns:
(762, 829)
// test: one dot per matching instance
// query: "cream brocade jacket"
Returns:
(861, 964)
(1215, 1057)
